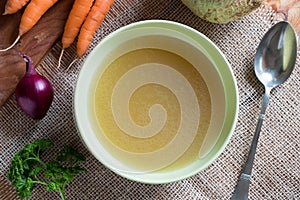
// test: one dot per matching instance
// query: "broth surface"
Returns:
(140, 104)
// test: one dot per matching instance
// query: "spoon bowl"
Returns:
(276, 55)
(273, 64)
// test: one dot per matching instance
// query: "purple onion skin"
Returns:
(34, 93)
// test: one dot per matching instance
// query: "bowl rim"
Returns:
(229, 80)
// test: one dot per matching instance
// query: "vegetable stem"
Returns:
(29, 65)
(39, 182)
(62, 195)
(38, 160)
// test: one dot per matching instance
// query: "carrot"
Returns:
(75, 19)
(91, 24)
(33, 12)
(98, 11)
(13, 6)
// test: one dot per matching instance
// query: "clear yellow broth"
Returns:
(141, 101)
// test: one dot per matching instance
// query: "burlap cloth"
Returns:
(276, 173)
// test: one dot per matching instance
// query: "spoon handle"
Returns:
(242, 188)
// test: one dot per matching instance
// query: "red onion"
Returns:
(34, 93)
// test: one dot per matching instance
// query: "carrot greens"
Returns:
(27, 168)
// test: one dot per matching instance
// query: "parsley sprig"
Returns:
(27, 167)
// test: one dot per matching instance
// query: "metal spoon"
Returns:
(273, 63)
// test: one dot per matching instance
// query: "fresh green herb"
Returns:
(27, 168)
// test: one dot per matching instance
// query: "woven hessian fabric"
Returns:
(276, 172)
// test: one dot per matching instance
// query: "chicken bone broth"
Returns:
(153, 109)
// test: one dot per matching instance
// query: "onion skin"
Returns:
(222, 11)
(34, 93)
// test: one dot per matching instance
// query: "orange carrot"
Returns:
(75, 19)
(13, 6)
(91, 24)
(33, 12)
